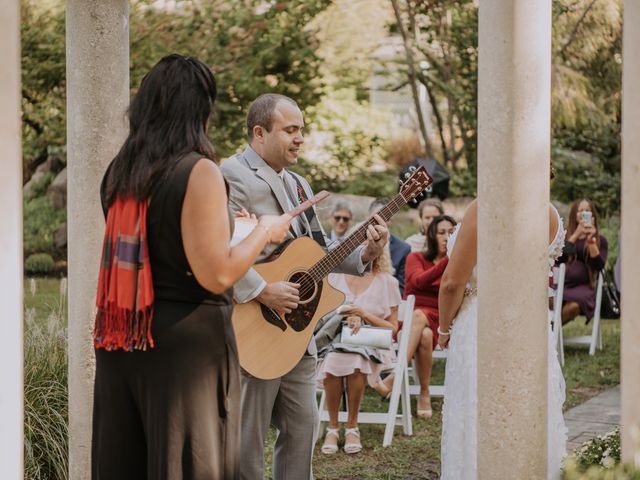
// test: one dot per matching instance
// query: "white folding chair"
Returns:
(556, 313)
(399, 392)
(593, 341)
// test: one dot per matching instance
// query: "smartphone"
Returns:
(586, 217)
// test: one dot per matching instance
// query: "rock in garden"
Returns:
(53, 163)
(57, 191)
(60, 237)
(29, 190)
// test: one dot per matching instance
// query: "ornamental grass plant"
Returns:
(46, 453)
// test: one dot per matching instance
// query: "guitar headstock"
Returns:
(417, 180)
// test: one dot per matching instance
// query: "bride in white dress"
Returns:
(459, 315)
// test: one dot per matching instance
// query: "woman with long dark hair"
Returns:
(423, 273)
(586, 254)
(167, 385)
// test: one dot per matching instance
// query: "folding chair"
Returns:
(593, 341)
(399, 392)
(556, 313)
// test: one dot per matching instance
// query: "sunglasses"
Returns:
(337, 218)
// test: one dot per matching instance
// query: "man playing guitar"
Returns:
(260, 183)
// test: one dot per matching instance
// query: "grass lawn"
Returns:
(42, 296)
(419, 456)
(408, 457)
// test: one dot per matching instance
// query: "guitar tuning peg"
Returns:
(407, 175)
(400, 182)
(412, 168)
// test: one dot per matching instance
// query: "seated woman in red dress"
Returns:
(423, 272)
(585, 252)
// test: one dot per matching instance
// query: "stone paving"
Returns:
(596, 416)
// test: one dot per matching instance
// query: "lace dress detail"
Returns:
(460, 409)
(459, 416)
(556, 391)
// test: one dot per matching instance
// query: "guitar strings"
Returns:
(323, 266)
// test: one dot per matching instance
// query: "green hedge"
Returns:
(39, 264)
(41, 220)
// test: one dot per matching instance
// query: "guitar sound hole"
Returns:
(310, 293)
(307, 288)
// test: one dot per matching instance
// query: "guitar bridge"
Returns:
(272, 317)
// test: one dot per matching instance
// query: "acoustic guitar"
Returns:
(270, 344)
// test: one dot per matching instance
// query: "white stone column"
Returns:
(514, 111)
(11, 396)
(630, 318)
(97, 99)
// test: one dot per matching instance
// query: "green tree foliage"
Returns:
(586, 88)
(43, 82)
(443, 38)
(253, 47)
(348, 147)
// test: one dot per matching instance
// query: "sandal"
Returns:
(383, 390)
(330, 448)
(352, 447)
(424, 412)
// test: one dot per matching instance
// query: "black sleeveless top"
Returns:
(172, 277)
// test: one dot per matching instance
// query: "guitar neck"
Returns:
(337, 255)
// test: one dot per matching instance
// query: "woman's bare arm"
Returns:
(553, 224)
(461, 263)
(206, 231)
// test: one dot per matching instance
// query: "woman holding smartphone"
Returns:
(585, 253)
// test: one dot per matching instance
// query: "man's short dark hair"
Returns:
(378, 202)
(261, 111)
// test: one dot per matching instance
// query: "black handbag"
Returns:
(610, 306)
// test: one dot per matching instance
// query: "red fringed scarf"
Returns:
(125, 287)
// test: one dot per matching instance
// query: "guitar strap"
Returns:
(309, 212)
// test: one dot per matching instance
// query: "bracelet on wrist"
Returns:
(440, 332)
(266, 230)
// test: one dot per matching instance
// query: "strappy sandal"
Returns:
(383, 390)
(352, 447)
(329, 448)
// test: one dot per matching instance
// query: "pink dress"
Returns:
(382, 295)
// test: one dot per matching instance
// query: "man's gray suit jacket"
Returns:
(256, 187)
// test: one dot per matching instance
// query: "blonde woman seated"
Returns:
(370, 300)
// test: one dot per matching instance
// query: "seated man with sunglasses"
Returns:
(341, 221)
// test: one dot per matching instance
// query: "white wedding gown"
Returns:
(460, 409)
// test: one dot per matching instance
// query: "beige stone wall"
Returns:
(97, 99)
(514, 98)
(630, 336)
(11, 396)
